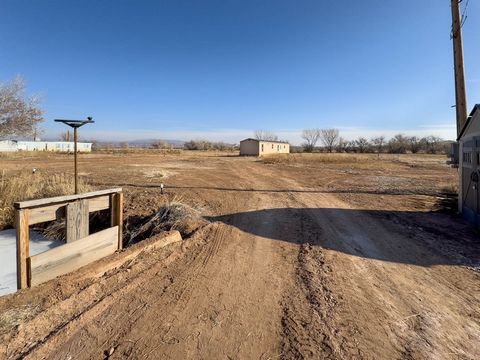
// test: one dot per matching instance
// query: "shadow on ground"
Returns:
(416, 238)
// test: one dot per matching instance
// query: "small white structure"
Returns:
(56, 146)
(8, 146)
(255, 147)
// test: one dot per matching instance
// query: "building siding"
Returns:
(8, 146)
(56, 146)
(249, 147)
(255, 147)
(469, 165)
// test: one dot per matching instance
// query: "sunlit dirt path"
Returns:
(281, 271)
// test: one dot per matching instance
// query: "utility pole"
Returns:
(460, 93)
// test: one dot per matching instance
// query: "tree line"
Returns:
(330, 141)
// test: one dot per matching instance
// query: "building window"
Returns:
(272, 146)
(467, 157)
(262, 147)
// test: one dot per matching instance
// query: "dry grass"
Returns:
(26, 186)
(450, 188)
(13, 317)
(30, 154)
(157, 174)
(358, 161)
(174, 215)
(332, 158)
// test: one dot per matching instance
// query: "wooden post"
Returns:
(77, 220)
(116, 209)
(23, 247)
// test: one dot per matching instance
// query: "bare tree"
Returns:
(95, 145)
(265, 135)
(414, 144)
(431, 144)
(65, 136)
(342, 145)
(329, 138)
(19, 114)
(362, 144)
(311, 137)
(398, 144)
(379, 143)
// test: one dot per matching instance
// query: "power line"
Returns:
(464, 13)
(463, 18)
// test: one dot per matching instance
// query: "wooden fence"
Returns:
(81, 247)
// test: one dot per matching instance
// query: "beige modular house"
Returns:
(255, 147)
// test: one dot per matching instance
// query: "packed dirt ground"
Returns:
(303, 256)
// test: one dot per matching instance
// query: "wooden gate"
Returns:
(81, 247)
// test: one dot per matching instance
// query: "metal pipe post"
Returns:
(75, 158)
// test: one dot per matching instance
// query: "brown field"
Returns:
(303, 256)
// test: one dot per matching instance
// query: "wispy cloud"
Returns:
(443, 130)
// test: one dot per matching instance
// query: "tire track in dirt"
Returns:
(405, 302)
(310, 324)
(119, 316)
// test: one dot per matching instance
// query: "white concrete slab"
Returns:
(8, 257)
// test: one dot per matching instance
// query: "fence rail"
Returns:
(81, 247)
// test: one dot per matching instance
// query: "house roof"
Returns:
(271, 141)
(469, 118)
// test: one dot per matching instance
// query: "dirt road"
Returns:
(283, 270)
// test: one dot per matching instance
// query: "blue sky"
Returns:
(221, 69)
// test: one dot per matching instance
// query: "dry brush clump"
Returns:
(27, 185)
(11, 318)
(208, 145)
(174, 215)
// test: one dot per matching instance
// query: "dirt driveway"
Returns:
(288, 267)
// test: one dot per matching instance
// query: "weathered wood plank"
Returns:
(117, 215)
(47, 213)
(63, 199)
(77, 220)
(56, 211)
(23, 247)
(98, 203)
(72, 256)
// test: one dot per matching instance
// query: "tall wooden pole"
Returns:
(460, 93)
(75, 158)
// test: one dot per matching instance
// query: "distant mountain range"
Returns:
(143, 142)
